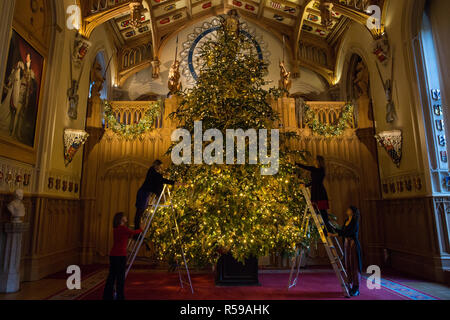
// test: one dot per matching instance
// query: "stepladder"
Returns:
(155, 204)
(331, 245)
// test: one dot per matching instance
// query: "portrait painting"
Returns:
(20, 94)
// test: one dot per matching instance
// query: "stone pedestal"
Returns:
(10, 254)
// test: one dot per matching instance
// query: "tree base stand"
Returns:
(230, 272)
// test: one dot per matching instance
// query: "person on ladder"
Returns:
(319, 196)
(352, 249)
(154, 183)
(118, 258)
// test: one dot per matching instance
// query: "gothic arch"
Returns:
(130, 167)
(270, 30)
(338, 169)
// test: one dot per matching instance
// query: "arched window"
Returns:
(100, 58)
(125, 61)
(429, 73)
(132, 57)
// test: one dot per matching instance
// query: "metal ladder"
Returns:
(329, 244)
(134, 245)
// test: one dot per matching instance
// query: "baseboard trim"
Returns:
(37, 268)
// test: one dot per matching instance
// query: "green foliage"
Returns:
(132, 131)
(328, 130)
(231, 208)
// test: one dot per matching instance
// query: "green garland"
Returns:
(328, 130)
(133, 131)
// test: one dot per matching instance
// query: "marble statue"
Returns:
(16, 207)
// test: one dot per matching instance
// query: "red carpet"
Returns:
(86, 271)
(311, 286)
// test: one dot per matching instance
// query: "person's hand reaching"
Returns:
(333, 235)
(180, 184)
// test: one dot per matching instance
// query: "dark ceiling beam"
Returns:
(298, 28)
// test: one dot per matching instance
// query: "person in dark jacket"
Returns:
(319, 196)
(118, 258)
(154, 183)
(352, 249)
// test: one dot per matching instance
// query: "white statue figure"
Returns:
(16, 207)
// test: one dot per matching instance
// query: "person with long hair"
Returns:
(118, 258)
(319, 196)
(352, 249)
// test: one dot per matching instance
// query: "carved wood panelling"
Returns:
(442, 211)
(54, 239)
(414, 244)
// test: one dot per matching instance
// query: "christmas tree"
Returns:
(231, 208)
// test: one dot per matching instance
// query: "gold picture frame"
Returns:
(12, 147)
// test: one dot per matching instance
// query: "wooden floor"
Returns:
(42, 289)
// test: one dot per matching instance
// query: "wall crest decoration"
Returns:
(392, 142)
(382, 50)
(73, 141)
(80, 49)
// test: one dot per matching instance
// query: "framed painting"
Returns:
(20, 97)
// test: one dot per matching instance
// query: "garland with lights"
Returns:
(132, 131)
(328, 130)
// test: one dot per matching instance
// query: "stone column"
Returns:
(169, 125)
(286, 109)
(91, 159)
(10, 255)
(170, 106)
(371, 225)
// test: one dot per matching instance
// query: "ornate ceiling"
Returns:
(312, 28)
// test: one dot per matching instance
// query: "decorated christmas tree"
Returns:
(232, 208)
